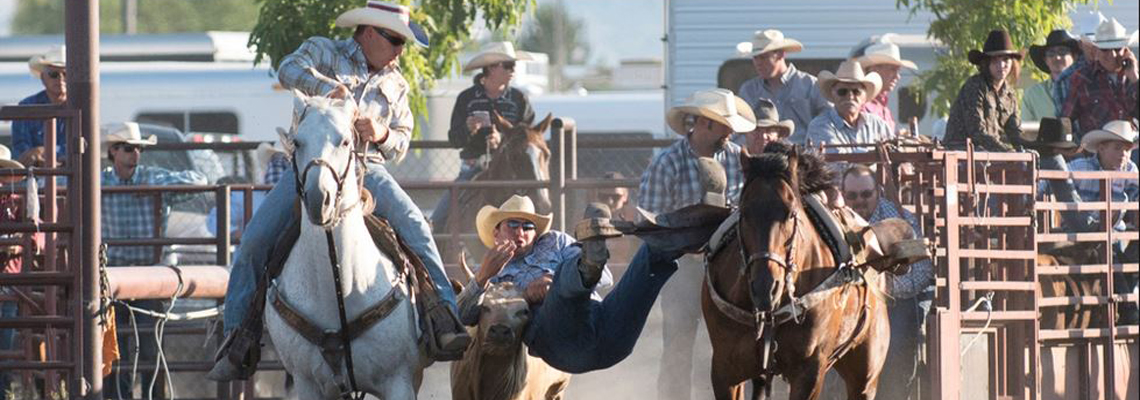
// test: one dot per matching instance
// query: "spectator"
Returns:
(132, 216)
(471, 127)
(1055, 140)
(274, 160)
(616, 198)
(769, 128)
(1057, 55)
(847, 123)
(986, 109)
(884, 59)
(908, 293)
(1086, 26)
(49, 68)
(1105, 90)
(794, 92)
(11, 257)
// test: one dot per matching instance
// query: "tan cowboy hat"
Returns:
(266, 150)
(771, 40)
(1121, 131)
(884, 53)
(516, 207)
(1112, 35)
(54, 57)
(124, 132)
(383, 14)
(719, 105)
(768, 116)
(851, 72)
(494, 53)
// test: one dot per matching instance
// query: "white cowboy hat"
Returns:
(851, 72)
(1087, 24)
(266, 150)
(884, 53)
(1112, 35)
(770, 40)
(494, 53)
(383, 14)
(719, 105)
(6, 161)
(516, 207)
(124, 132)
(1121, 131)
(54, 57)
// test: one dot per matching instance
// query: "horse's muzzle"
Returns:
(319, 206)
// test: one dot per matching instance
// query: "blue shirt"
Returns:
(830, 129)
(27, 134)
(1123, 190)
(132, 215)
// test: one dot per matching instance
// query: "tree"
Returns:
(962, 25)
(42, 17)
(283, 25)
(554, 32)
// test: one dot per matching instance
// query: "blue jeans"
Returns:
(8, 309)
(576, 334)
(467, 172)
(275, 215)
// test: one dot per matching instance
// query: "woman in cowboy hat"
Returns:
(769, 128)
(987, 109)
(1108, 88)
(49, 68)
(793, 91)
(883, 58)
(471, 127)
(1057, 54)
(847, 123)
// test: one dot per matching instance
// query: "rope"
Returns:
(988, 301)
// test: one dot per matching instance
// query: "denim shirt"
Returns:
(27, 134)
(798, 99)
(830, 129)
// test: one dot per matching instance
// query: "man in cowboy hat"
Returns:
(49, 68)
(1057, 54)
(847, 122)
(364, 69)
(471, 128)
(1105, 90)
(1085, 27)
(1111, 147)
(769, 128)
(673, 181)
(883, 58)
(794, 92)
(130, 216)
(986, 109)
(11, 257)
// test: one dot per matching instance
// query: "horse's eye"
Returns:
(344, 143)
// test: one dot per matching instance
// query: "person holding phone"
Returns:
(1104, 90)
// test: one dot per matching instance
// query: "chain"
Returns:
(104, 284)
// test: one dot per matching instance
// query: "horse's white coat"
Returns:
(386, 358)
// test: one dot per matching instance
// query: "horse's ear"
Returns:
(501, 123)
(545, 124)
(793, 169)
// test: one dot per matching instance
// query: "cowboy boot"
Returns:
(592, 232)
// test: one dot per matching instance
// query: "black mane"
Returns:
(814, 175)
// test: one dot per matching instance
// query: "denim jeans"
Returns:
(576, 334)
(8, 309)
(467, 171)
(895, 381)
(275, 215)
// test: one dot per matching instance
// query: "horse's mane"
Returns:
(813, 173)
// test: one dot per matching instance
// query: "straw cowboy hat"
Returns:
(1121, 131)
(54, 57)
(884, 53)
(719, 105)
(768, 116)
(1054, 133)
(997, 43)
(1112, 35)
(6, 161)
(1058, 37)
(516, 207)
(383, 14)
(494, 53)
(266, 151)
(124, 132)
(850, 72)
(771, 40)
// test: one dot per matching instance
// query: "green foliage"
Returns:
(284, 24)
(43, 17)
(962, 25)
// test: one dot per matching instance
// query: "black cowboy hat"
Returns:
(1054, 133)
(1059, 37)
(997, 43)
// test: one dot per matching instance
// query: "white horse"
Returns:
(386, 360)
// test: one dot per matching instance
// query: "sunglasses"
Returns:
(515, 224)
(508, 65)
(391, 38)
(127, 147)
(843, 92)
(866, 194)
(56, 74)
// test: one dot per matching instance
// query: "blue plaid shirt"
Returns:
(278, 164)
(921, 274)
(1123, 191)
(672, 180)
(27, 134)
(130, 215)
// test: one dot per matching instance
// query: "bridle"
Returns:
(339, 178)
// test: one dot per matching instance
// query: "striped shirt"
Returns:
(672, 180)
(132, 215)
(321, 64)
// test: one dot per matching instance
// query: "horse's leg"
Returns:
(808, 383)
(398, 387)
(860, 367)
(725, 384)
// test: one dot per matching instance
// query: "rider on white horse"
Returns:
(364, 69)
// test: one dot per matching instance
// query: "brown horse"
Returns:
(778, 255)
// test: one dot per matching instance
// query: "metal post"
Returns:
(82, 38)
(558, 173)
(222, 203)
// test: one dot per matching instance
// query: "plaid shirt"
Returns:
(1097, 97)
(672, 180)
(830, 129)
(131, 215)
(278, 164)
(921, 274)
(321, 64)
(1123, 191)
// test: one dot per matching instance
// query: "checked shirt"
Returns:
(132, 215)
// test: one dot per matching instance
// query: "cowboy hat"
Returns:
(1112, 35)
(1087, 24)
(383, 14)
(1121, 131)
(861, 48)
(266, 151)
(1059, 37)
(768, 116)
(516, 207)
(124, 132)
(6, 161)
(54, 57)
(850, 72)
(770, 40)
(998, 43)
(884, 53)
(1054, 133)
(719, 105)
(494, 53)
